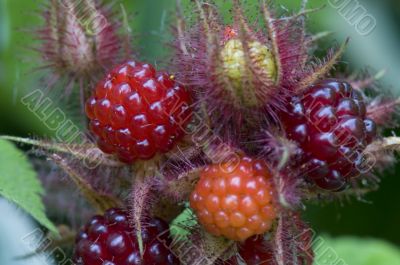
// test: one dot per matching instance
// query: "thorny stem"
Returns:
(279, 248)
(147, 169)
(303, 34)
(303, 5)
(206, 24)
(73, 149)
(142, 171)
(300, 14)
(128, 30)
(180, 26)
(272, 34)
(319, 36)
(322, 70)
(138, 200)
(240, 16)
(284, 159)
(386, 144)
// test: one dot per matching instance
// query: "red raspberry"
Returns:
(136, 112)
(235, 200)
(329, 124)
(110, 240)
(254, 251)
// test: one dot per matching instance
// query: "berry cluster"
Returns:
(247, 81)
(136, 112)
(330, 126)
(235, 200)
(110, 240)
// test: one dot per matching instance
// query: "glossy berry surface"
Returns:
(235, 200)
(329, 124)
(110, 240)
(136, 112)
(254, 251)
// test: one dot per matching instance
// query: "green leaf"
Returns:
(355, 251)
(180, 226)
(19, 183)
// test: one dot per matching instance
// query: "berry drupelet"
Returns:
(110, 240)
(136, 112)
(328, 122)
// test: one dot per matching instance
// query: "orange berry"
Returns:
(236, 203)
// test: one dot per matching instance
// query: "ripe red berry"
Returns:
(136, 112)
(235, 200)
(329, 124)
(110, 240)
(254, 251)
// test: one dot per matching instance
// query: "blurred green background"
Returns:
(377, 215)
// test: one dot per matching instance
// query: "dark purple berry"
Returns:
(254, 251)
(109, 240)
(329, 124)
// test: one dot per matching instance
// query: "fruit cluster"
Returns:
(256, 92)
